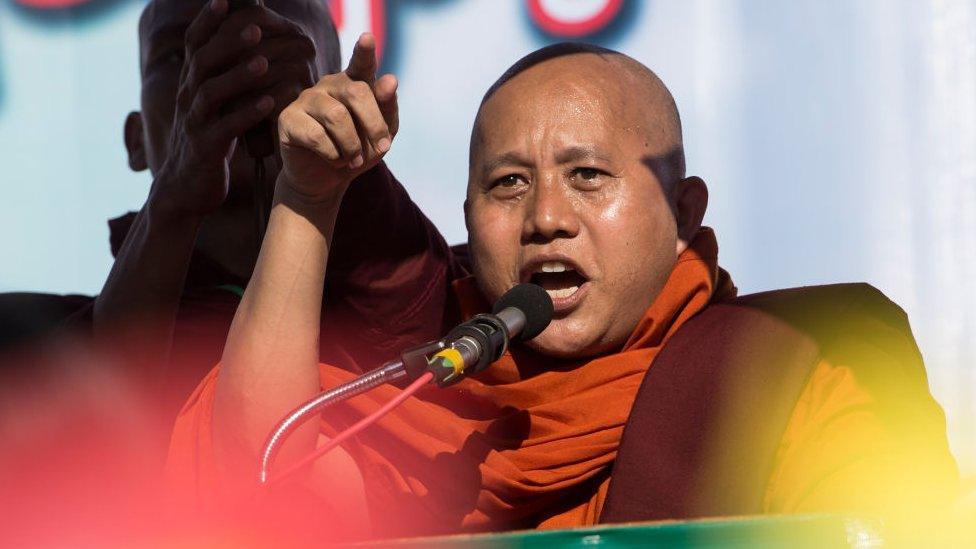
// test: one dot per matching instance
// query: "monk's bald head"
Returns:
(636, 97)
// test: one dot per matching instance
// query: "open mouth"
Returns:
(560, 279)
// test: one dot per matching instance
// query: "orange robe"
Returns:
(530, 441)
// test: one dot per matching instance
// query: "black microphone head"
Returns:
(535, 304)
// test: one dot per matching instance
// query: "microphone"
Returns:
(519, 315)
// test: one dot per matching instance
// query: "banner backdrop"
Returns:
(838, 138)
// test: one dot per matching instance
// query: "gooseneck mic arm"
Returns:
(521, 314)
(384, 374)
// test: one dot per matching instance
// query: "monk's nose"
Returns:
(549, 214)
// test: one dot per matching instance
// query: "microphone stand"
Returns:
(412, 363)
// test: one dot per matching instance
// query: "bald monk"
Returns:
(577, 183)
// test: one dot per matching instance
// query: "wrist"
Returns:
(301, 202)
(165, 206)
(164, 212)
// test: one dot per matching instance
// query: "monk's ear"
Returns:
(690, 200)
(467, 210)
(135, 142)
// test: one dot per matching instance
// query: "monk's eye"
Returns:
(508, 186)
(507, 181)
(586, 174)
(588, 178)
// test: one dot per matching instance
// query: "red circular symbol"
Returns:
(557, 25)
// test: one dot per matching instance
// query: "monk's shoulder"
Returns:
(858, 328)
(823, 306)
(837, 314)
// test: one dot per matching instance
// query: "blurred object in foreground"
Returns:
(81, 467)
(79, 456)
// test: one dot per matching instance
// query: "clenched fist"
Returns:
(338, 128)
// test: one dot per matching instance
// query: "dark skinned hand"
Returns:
(237, 69)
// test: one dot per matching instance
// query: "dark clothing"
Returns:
(385, 289)
(27, 317)
(713, 412)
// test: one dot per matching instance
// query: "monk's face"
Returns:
(561, 193)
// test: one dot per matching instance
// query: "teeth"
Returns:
(565, 292)
(554, 267)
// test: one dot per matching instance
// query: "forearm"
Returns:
(137, 307)
(270, 362)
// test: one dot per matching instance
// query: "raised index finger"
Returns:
(205, 24)
(362, 66)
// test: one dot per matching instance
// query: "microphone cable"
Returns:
(448, 358)
(351, 431)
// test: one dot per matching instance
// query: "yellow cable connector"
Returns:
(450, 357)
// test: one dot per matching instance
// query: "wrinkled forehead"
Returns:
(546, 113)
(560, 95)
(608, 97)
(169, 19)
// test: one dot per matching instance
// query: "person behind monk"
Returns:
(577, 182)
(181, 263)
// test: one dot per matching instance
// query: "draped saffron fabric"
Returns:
(527, 443)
